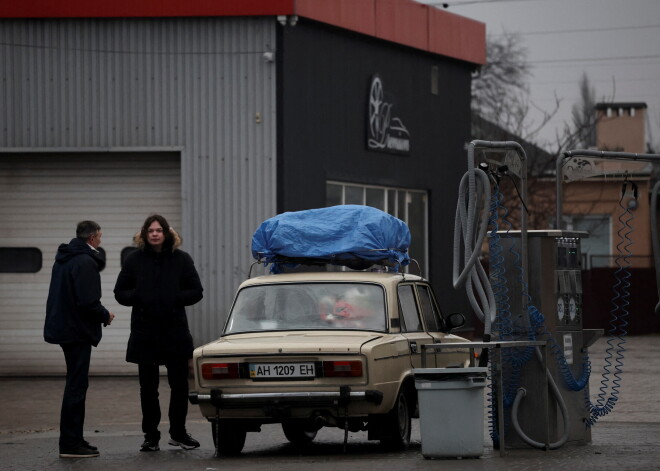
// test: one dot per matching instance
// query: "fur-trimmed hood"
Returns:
(140, 243)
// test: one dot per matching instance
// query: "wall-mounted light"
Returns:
(292, 20)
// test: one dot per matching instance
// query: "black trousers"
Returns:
(72, 416)
(177, 377)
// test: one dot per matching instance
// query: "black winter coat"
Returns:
(158, 286)
(74, 312)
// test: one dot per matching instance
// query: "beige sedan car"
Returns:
(327, 349)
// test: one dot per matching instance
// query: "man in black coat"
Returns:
(158, 280)
(74, 315)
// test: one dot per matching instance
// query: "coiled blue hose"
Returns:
(500, 290)
(614, 353)
(513, 362)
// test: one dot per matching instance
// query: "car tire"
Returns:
(299, 433)
(232, 438)
(398, 425)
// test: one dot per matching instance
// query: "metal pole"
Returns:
(559, 224)
(500, 402)
(545, 401)
(655, 239)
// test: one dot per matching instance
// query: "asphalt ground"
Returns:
(627, 438)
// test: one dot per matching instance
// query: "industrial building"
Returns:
(218, 115)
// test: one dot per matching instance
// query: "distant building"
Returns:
(593, 204)
(590, 205)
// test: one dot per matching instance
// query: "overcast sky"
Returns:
(616, 42)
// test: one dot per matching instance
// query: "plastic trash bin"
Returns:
(451, 411)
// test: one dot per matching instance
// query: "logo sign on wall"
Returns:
(385, 132)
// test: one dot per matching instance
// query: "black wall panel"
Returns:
(324, 77)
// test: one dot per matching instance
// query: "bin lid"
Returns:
(450, 373)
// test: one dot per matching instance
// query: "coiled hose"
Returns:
(470, 231)
(618, 322)
(503, 320)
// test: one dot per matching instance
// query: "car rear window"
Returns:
(308, 306)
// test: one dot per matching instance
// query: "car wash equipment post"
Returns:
(581, 165)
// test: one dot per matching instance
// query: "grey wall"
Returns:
(199, 86)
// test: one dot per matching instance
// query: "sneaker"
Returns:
(89, 445)
(81, 451)
(150, 445)
(184, 441)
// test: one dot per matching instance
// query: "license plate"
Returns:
(282, 370)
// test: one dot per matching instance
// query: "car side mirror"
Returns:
(454, 321)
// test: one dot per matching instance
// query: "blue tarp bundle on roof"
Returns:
(349, 235)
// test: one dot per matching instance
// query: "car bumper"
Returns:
(341, 396)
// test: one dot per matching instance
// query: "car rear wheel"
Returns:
(299, 432)
(231, 437)
(398, 425)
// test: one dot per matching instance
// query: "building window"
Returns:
(596, 249)
(411, 206)
(20, 260)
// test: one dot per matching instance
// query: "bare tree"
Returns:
(500, 90)
(584, 116)
(500, 108)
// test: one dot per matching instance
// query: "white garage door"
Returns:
(42, 198)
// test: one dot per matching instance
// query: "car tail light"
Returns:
(220, 370)
(352, 369)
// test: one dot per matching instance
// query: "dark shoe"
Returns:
(150, 445)
(80, 451)
(184, 441)
(89, 445)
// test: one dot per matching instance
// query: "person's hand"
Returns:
(110, 317)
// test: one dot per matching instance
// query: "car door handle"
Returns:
(413, 347)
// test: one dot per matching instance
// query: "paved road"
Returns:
(628, 438)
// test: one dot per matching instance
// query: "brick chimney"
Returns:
(621, 127)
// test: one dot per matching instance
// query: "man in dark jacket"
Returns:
(158, 281)
(74, 315)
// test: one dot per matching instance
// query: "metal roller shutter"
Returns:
(42, 198)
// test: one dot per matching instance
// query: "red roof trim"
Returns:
(356, 15)
(401, 21)
(405, 22)
(142, 8)
(455, 36)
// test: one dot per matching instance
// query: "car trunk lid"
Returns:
(290, 343)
